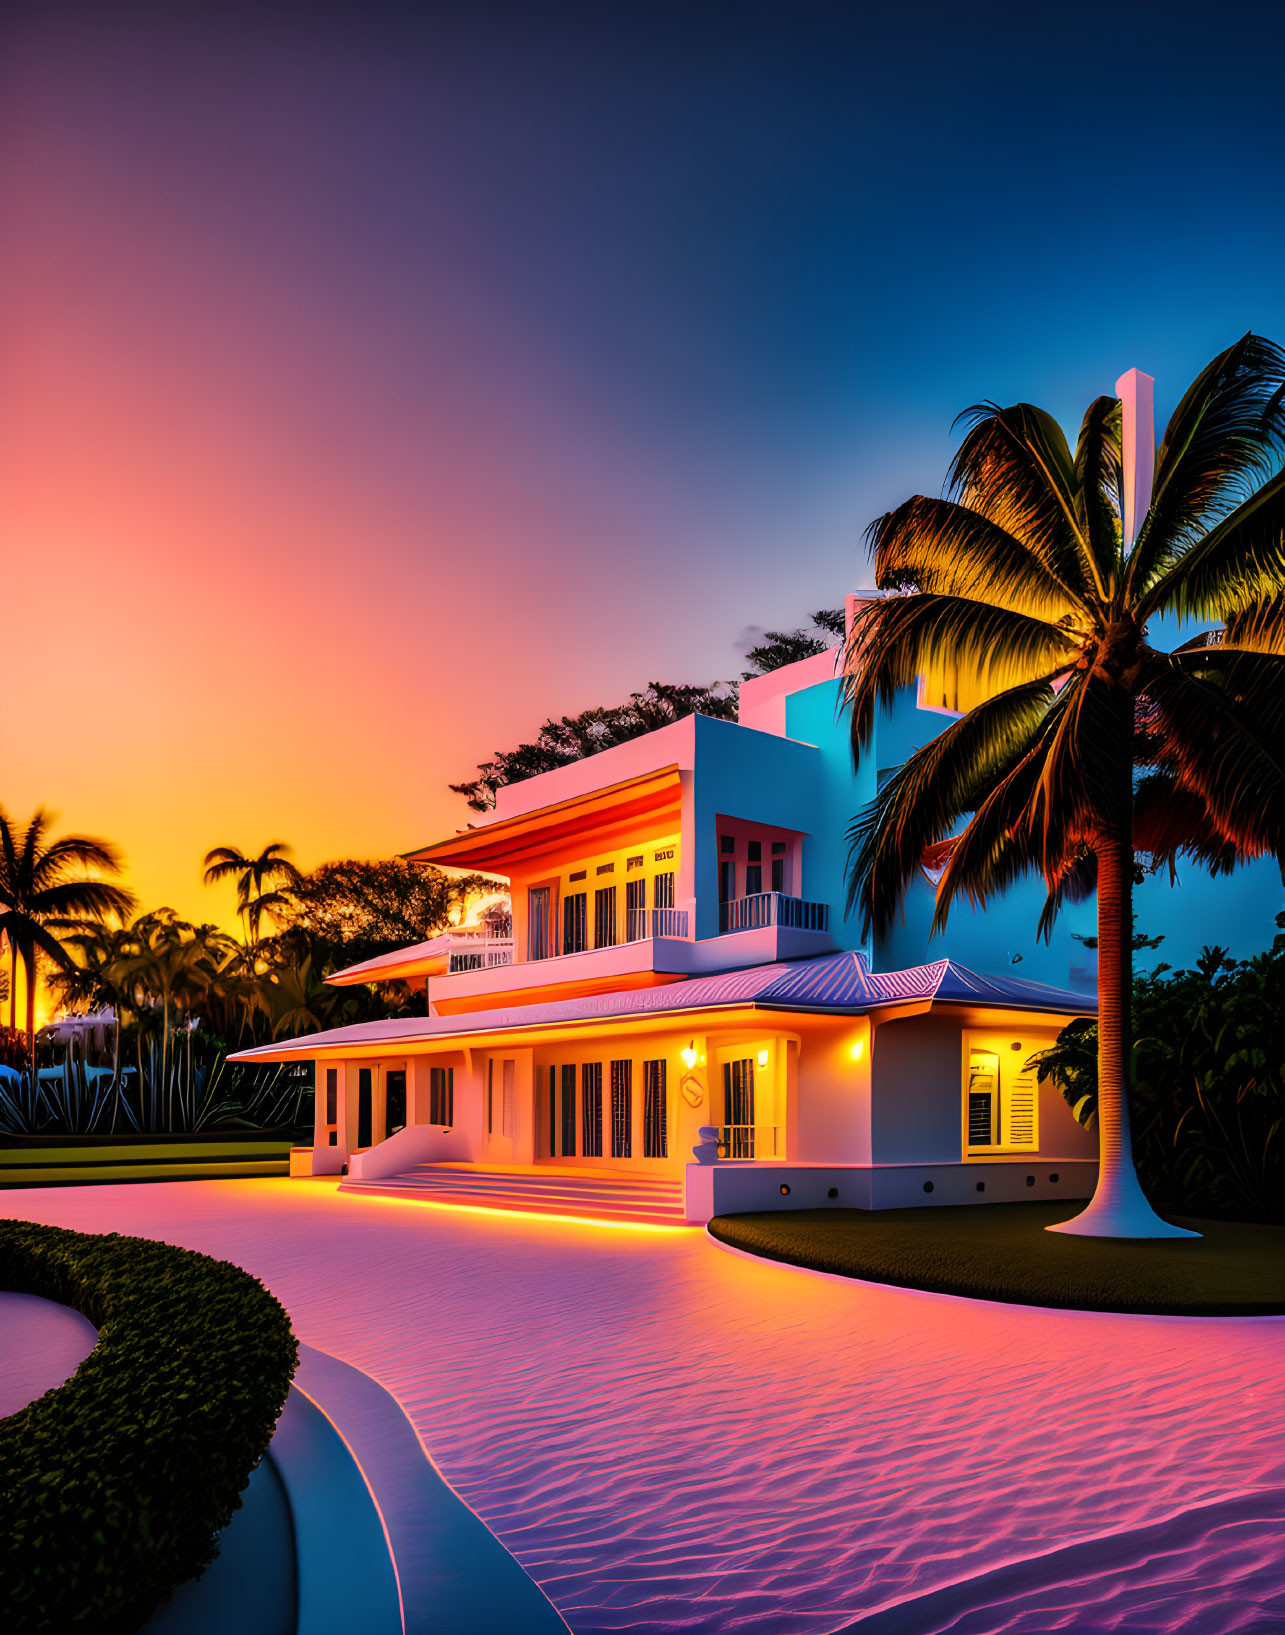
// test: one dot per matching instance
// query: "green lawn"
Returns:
(1001, 1252)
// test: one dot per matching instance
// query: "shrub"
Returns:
(114, 1485)
(1208, 1097)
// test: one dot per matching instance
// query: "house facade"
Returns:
(680, 1005)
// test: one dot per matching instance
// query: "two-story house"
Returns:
(679, 962)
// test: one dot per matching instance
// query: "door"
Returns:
(738, 1107)
(394, 1101)
(591, 1109)
(655, 1111)
(622, 1109)
(635, 910)
(365, 1100)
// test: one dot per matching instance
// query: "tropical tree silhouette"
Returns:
(258, 880)
(46, 888)
(1020, 578)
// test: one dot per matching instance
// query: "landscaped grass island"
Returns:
(1001, 1252)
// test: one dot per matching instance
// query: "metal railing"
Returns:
(772, 908)
(479, 953)
(751, 1141)
(641, 923)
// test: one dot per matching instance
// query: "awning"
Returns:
(587, 819)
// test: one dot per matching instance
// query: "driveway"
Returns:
(670, 1437)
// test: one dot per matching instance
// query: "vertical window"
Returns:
(622, 1109)
(604, 918)
(635, 910)
(778, 874)
(569, 1110)
(983, 1098)
(575, 931)
(490, 1095)
(754, 851)
(332, 1095)
(441, 1096)
(394, 1101)
(553, 1112)
(753, 879)
(365, 1097)
(726, 879)
(508, 1097)
(662, 891)
(655, 1111)
(539, 930)
(591, 1109)
(738, 1107)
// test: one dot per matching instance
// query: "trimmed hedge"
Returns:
(114, 1485)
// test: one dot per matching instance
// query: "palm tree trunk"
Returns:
(1119, 1207)
(29, 970)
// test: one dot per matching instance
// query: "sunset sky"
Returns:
(374, 387)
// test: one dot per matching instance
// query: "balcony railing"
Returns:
(641, 923)
(478, 951)
(751, 1141)
(772, 908)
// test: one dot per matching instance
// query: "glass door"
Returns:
(738, 1107)
(394, 1101)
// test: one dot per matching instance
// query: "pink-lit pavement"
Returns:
(670, 1437)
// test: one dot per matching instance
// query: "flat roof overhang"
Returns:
(654, 795)
(420, 959)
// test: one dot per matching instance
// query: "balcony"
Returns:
(641, 923)
(478, 951)
(768, 908)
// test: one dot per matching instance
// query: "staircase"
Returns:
(580, 1194)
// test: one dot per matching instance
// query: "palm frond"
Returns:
(1239, 561)
(1099, 501)
(896, 640)
(924, 799)
(944, 548)
(1014, 467)
(1224, 439)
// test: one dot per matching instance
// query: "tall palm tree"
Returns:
(45, 887)
(258, 880)
(1021, 579)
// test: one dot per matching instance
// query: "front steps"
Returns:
(579, 1194)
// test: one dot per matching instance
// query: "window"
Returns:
(441, 1096)
(754, 851)
(753, 879)
(365, 1097)
(633, 863)
(727, 845)
(578, 875)
(604, 918)
(539, 931)
(662, 891)
(983, 1098)
(778, 874)
(738, 1107)
(394, 1101)
(490, 1095)
(332, 1095)
(569, 1111)
(575, 923)
(655, 1111)
(508, 1097)
(591, 1109)
(606, 868)
(553, 1112)
(726, 879)
(635, 910)
(622, 1109)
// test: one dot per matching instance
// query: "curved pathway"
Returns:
(670, 1437)
(42, 1344)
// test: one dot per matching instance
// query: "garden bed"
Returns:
(1001, 1252)
(114, 1486)
(45, 1160)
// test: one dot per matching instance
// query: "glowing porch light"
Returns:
(688, 1053)
(762, 1058)
(858, 1050)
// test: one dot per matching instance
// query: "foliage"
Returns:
(352, 910)
(573, 737)
(49, 886)
(115, 1485)
(260, 880)
(781, 647)
(13, 1048)
(1208, 1095)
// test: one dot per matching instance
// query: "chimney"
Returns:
(1138, 435)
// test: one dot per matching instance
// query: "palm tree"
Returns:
(271, 869)
(44, 888)
(1021, 579)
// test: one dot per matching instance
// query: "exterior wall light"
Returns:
(762, 1058)
(858, 1050)
(689, 1057)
